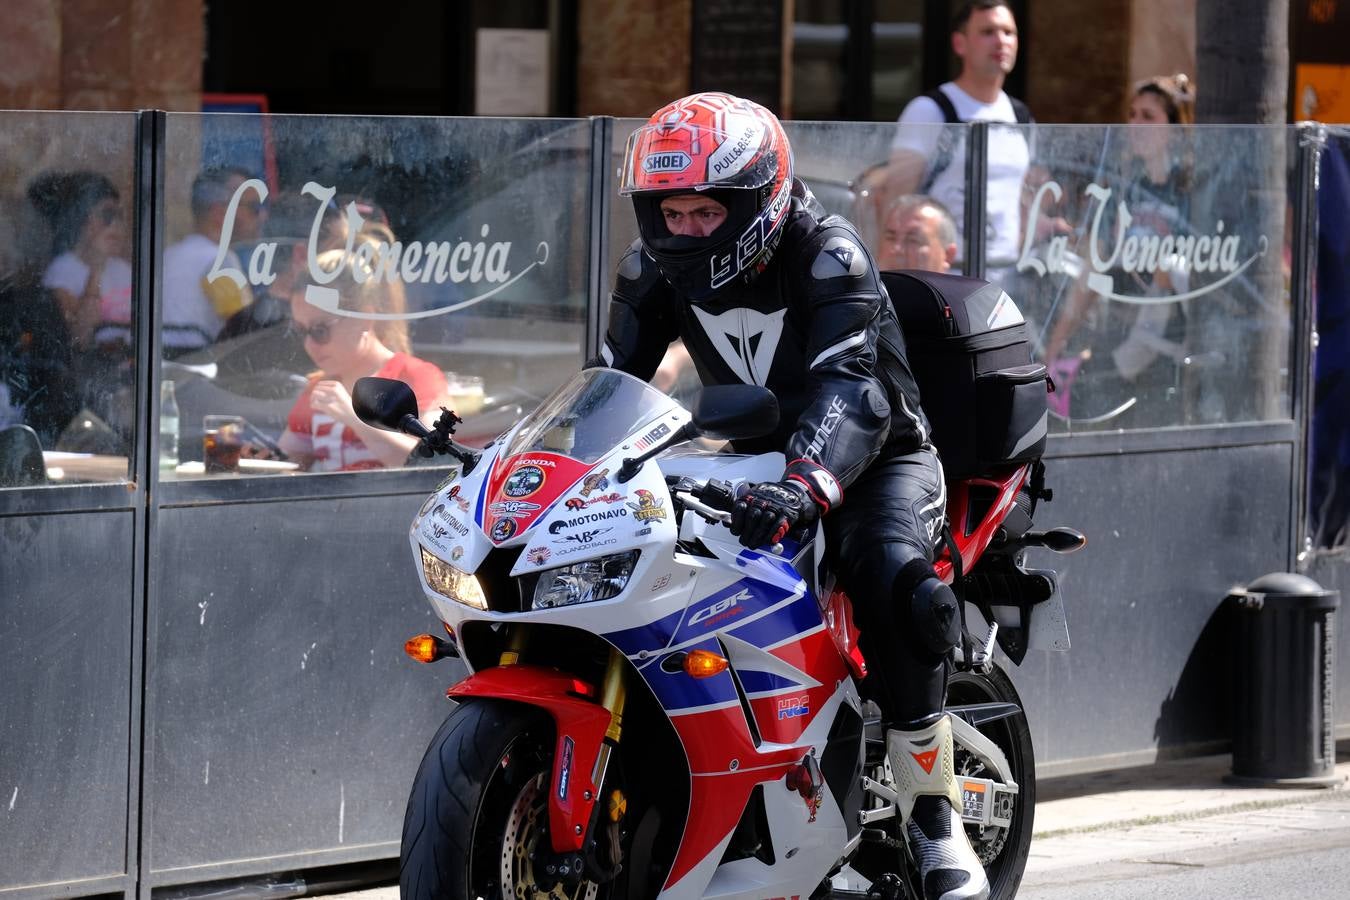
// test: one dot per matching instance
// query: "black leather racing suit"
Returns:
(817, 328)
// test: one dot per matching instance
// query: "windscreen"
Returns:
(589, 416)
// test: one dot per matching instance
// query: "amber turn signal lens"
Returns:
(703, 664)
(424, 648)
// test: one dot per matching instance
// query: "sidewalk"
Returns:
(1125, 823)
(1171, 791)
(1167, 809)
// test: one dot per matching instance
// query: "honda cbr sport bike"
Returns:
(653, 710)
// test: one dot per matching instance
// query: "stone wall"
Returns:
(102, 54)
(1078, 60)
(633, 57)
(1162, 38)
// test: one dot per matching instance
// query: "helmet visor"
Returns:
(680, 154)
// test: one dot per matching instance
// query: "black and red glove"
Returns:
(765, 512)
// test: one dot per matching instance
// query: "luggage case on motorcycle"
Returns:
(970, 353)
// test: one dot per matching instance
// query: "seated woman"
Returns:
(89, 276)
(323, 433)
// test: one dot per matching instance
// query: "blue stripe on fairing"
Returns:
(764, 682)
(797, 617)
(748, 596)
(650, 637)
(676, 691)
(482, 497)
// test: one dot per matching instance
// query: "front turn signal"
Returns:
(427, 648)
(704, 664)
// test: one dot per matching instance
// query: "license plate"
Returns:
(985, 802)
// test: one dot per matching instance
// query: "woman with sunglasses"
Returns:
(323, 433)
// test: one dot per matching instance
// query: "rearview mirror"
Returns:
(383, 402)
(735, 412)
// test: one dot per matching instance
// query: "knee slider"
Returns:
(934, 612)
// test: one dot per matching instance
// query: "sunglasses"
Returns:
(321, 333)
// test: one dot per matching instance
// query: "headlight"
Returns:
(584, 582)
(451, 583)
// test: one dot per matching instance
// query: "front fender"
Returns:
(580, 723)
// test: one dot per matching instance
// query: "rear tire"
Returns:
(1003, 851)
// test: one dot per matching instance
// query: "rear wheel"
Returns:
(1003, 851)
(478, 813)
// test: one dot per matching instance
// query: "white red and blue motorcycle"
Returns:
(653, 710)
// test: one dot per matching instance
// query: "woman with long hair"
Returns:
(1128, 371)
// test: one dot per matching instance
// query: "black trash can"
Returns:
(1285, 653)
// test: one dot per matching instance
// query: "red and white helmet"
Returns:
(735, 151)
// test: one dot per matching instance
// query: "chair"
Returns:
(21, 462)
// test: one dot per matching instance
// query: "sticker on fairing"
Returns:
(565, 768)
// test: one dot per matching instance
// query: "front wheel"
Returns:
(1003, 851)
(478, 811)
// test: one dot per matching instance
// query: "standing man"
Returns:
(738, 260)
(929, 159)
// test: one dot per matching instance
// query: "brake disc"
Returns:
(524, 835)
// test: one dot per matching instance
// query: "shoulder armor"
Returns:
(833, 251)
(637, 273)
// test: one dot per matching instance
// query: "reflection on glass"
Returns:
(897, 56)
(1161, 299)
(67, 306)
(352, 333)
(453, 248)
(819, 41)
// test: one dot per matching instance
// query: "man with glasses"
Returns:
(196, 307)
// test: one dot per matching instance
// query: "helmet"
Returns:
(733, 150)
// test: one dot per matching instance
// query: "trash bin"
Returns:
(1285, 653)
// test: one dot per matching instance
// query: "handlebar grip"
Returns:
(717, 494)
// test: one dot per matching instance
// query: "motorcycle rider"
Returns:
(737, 258)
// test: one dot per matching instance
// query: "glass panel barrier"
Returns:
(67, 299)
(302, 252)
(1153, 267)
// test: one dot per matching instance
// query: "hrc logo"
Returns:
(794, 707)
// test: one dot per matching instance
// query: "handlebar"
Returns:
(707, 512)
(713, 500)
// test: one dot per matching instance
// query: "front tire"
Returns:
(479, 805)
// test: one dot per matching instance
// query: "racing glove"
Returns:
(765, 512)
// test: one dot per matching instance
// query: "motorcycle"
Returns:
(653, 710)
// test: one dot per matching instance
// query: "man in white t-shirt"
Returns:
(929, 159)
(195, 306)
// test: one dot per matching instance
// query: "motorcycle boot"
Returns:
(929, 797)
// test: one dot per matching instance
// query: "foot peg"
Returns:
(887, 887)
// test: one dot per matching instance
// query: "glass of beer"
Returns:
(222, 441)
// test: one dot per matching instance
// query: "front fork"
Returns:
(609, 813)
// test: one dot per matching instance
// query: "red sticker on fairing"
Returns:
(523, 486)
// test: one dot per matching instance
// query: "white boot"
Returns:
(921, 762)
